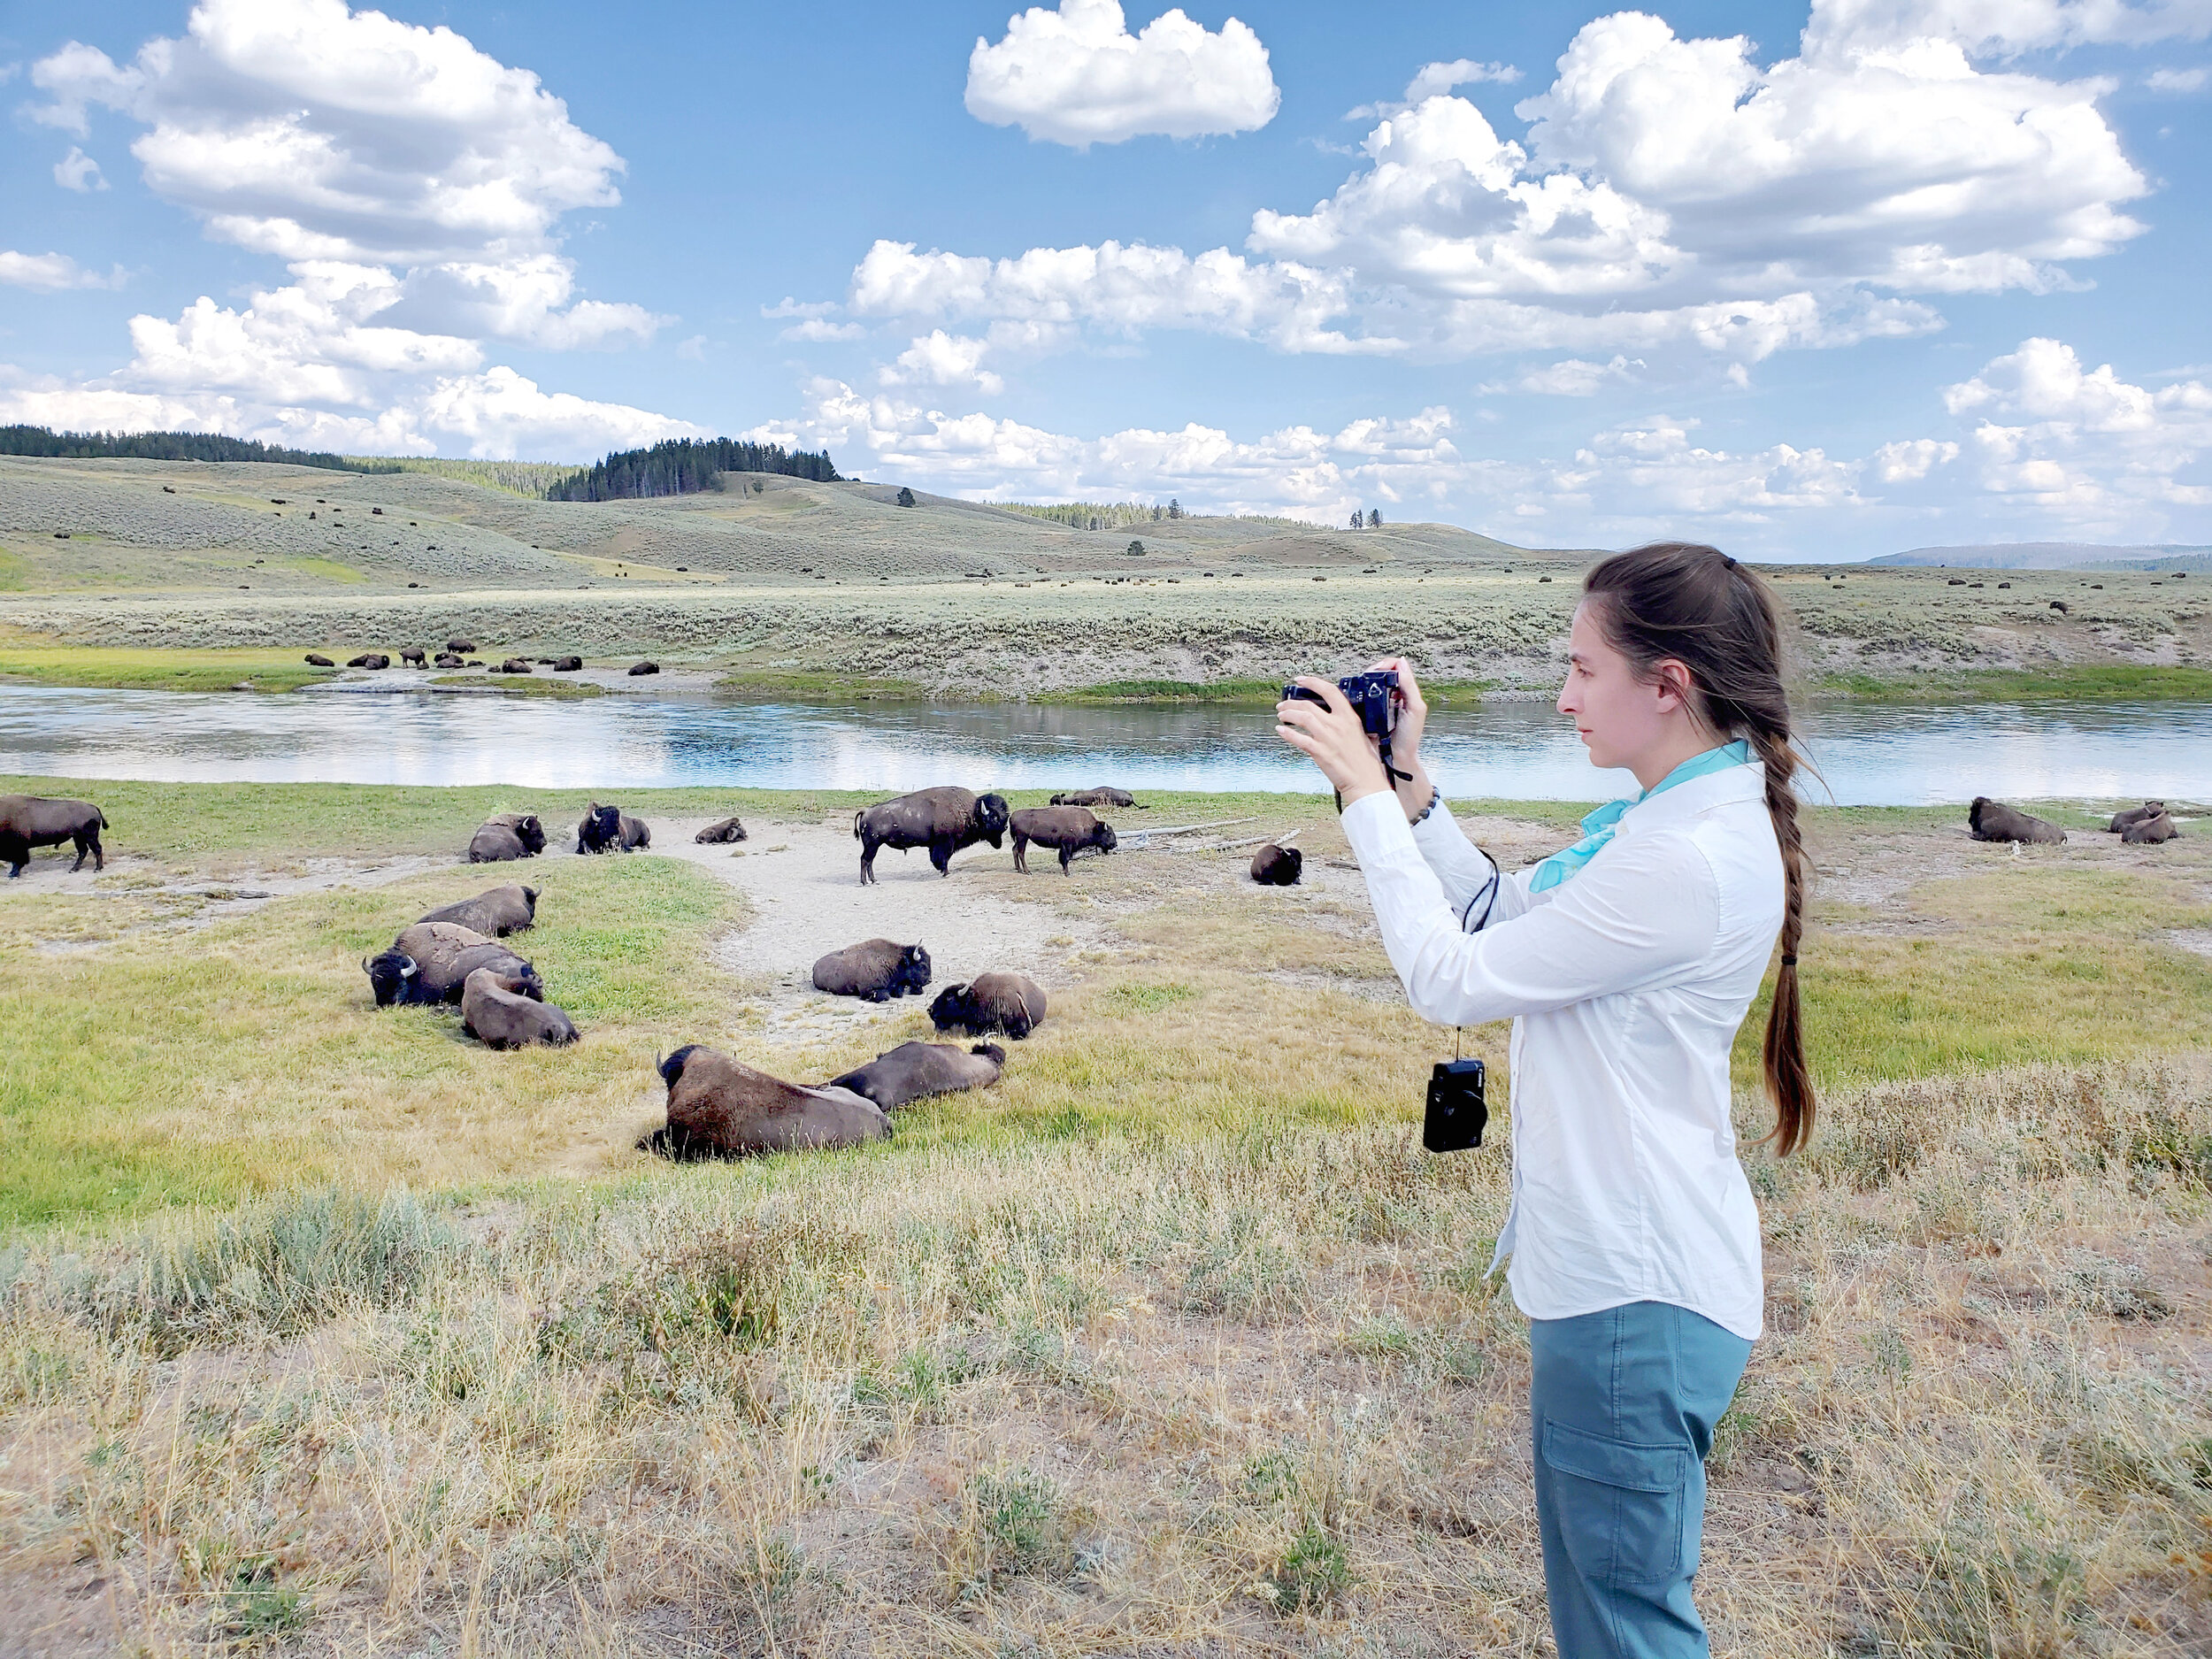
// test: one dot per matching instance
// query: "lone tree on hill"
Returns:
(906, 497)
(1174, 508)
(1374, 517)
(1136, 550)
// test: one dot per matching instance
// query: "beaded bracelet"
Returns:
(1435, 795)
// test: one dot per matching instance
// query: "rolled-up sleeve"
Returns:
(1644, 910)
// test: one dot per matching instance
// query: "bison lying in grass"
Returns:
(2134, 815)
(875, 971)
(721, 1106)
(1993, 821)
(431, 962)
(500, 1012)
(506, 837)
(495, 912)
(2149, 831)
(1011, 1003)
(1103, 796)
(944, 820)
(914, 1070)
(42, 821)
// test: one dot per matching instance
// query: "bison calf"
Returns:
(913, 1070)
(728, 830)
(1068, 829)
(1011, 1003)
(1993, 821)
(1274, 866)
(608, 828)
(39, 820)
(717, 1105)
(495, 912)
(875, 971)
(499, 1012)
(508, 836)
(944, 819)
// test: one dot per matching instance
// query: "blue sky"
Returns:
(1811, 284)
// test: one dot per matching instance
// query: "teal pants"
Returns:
(1622, 1407)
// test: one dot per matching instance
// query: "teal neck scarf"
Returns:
(1599, 827)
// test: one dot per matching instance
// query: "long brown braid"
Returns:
(1690, 604)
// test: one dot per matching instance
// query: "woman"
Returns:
(1626, 962)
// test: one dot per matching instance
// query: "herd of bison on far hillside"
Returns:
(717, 1106)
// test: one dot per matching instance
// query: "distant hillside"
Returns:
(172, 446)
(2054, 556)
(683, 467)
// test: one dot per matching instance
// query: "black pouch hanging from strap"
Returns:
(1457, 1115)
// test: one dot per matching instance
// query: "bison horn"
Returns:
(410, 971)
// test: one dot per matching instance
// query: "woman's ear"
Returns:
(1671, 680)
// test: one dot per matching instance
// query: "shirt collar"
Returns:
(1693, 795)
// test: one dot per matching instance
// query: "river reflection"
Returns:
(1870, 755)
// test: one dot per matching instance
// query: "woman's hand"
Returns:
(1329, 733)
(1414, 792)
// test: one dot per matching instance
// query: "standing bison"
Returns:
(610, 829)
(1993, 821)
(944, 820)
(412, 656)
(1068, 829)
(1011, 1003)
(875, 971)
(506, 837)
(39, 820)
(717, 1105)
(431, 962)
(495, 912)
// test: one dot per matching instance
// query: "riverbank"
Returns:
(303, 1301)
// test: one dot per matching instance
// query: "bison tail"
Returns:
(103, 818)
(857, 818)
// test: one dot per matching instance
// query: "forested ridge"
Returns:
(681, 466)
(171, 446)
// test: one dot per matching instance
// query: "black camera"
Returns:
(1374, 694)
(1457, 1115)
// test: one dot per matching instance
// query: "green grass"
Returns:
(124, 669)
(2082, 682)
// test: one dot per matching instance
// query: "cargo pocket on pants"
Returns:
(1620, 1504)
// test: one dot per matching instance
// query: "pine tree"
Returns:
(1374, 517)
(906, 497)
(1174, 508)
(1136, 550)
(1359, 519)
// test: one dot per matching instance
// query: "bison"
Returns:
(505, 837)
(1103, 796)
(500, 1012)
(462, 647)
(944, 820)
(447, 659)
(39, 820)
(913, 1070)
(717, 1105)
(1277, 866)
(431, 961)
(875, 971)
(637, 669)
(1993, 821)
(495, 912)
(2149, 831)
(567, 665)
(2134, 815)
(316, 659)
(1011, 1003)
(369, 659)
(514, 666)
(727, 829)
(412, 656)
(606, 828)
(1068, 829)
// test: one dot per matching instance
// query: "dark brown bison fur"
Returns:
(431, 961)
(720, 1107)
(514, 666)
(499, 1012)
(369, 659)
(913, 1070)
(1068, 829)
(40, 820)
(2150, 832)
(567, 665)
(1994, 821)
(944, 819)
(2134, 815)
(1103, 796)
(875, 970)
(610, 829)
(510, 835)
(316, 659)
(643, 668)
(1274, 866)
(1011, 1003)
(728, 830)
(462, 646)
(495, 912)
(412, 657)
(447, 659)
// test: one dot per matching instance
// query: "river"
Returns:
(1868, 754)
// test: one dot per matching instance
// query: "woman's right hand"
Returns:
(1405, 740)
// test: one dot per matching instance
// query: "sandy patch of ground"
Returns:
(186, 901)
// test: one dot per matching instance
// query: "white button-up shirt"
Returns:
(1625, 985)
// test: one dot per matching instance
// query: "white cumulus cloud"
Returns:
(2177, 79)
(50, 273)
(1077, 76)
(938, 359)
(77, 171)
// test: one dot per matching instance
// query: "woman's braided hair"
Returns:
(1692, 605)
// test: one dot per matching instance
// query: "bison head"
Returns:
(531, 833)
(954, 1006)
(1982, 803)
(990, 1051)
(602, 827)
(1104, 840)
(991, 815)
(530, 898)
(913, 973)
(672, 1070)
(391, 976)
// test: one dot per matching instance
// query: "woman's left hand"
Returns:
(1331, 735)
